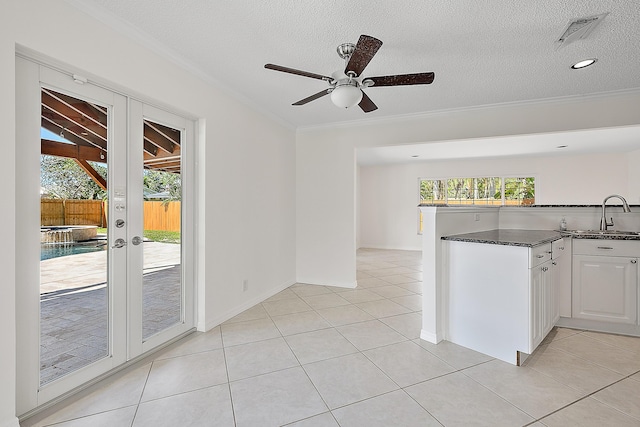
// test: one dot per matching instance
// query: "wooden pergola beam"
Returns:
(152, 135)
(84, 126)
(69, 109)
(54, 127)
(150, 148)
(160, 154)
(95, 176)
(171, 134)
(72, 151)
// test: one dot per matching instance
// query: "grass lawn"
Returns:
(162, 236)
(155, 235)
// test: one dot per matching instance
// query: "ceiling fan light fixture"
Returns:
(583, 64)
(346, 94)
(346, 86)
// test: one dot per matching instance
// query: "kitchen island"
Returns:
(500, 297)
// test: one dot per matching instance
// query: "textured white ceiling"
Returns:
(621, 139)
(482, 51)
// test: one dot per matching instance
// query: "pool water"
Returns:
(55, 251)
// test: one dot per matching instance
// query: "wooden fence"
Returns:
(162, 216)
(71, 212)
(157, 215)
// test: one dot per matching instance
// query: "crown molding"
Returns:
(422, 115)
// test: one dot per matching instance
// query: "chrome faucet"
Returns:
(603, 221)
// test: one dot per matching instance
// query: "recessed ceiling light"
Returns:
(562, 146)
(583, 64)
(415, 156)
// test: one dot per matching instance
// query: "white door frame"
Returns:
(138, 112)
(123, 344)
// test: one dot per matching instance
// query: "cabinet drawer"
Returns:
(606, 247)
(540, 254)
(558, 248)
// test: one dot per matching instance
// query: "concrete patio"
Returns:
(74, 310)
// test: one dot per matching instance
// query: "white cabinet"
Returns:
(546, 276)
(549, 299)
(501, 299)
(561, 272)
(605, 288)
(541, 299)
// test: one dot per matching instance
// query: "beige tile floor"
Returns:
(323, 356)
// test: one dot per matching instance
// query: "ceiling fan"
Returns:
(346, 86)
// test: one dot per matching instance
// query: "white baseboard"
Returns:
(212, 323)
(599, 326)
(12, 422)
(430, 337)
(309, 281)
(392, 248)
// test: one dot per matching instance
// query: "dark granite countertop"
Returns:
(613, 235)
(612, 205)
(441, 205)
(526, 238)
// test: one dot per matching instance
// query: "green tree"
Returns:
(519, 188)
(63, 178)
(156, 181)
(432, 190)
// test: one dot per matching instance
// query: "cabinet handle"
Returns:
(605, 247)
(554, 263)
(633, 261)
(540, 256)
(561, 248)
(545, 268)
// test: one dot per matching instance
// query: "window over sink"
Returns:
(486, 191)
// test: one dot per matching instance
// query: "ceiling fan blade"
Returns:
(366, 104)
(364, 51)
(312, 97)
(297, 72)
(402, 79)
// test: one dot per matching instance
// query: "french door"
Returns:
(105, 232)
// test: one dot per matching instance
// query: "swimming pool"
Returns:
(48, 251)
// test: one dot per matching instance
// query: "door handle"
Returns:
(119, 243)
(136, 240)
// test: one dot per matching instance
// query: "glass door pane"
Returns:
(74, 290)
(162, 287)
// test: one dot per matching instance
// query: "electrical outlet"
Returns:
(245, 285)
(477, 217)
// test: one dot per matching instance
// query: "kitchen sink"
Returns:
(603, 233)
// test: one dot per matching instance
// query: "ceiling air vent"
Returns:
(579, 29)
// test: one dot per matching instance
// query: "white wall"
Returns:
(388, 216)
(389, 193)
(325, 178)
(634, 176)
(247, 227)
(7, 219)
(326, 226)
